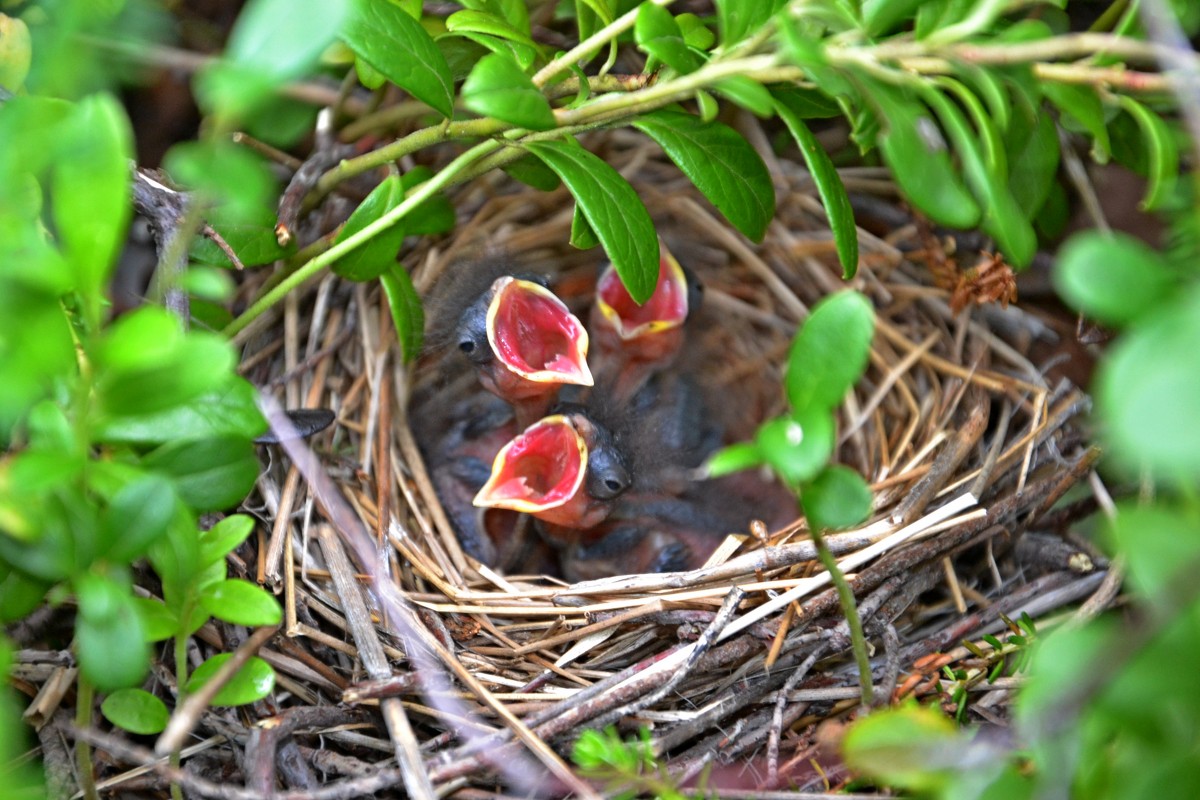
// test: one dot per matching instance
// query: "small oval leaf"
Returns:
(733, 458)
(109, 637)
(209, 474)
(221, 539)
(241, 603)
(658, 34)
(1112, 278)
(836, 498)
(252, 682)
(498, 88)
(830, 351)
(138, 514)
(136, 711)
(1147, 392)
(913, 147)
(797, 447)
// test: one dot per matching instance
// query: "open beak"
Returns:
(537, 340)
(666, 309)
(539, 471)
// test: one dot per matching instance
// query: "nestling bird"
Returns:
(522, 340)
(566, 470)
(632, 342)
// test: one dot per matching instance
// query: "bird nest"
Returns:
(405, 665)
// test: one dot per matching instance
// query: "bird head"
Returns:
(565, 469)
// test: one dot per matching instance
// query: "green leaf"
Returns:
(158, 621)
(252, 237)
(16, 52)
(747, 93)
(199, 363)
(223, 538)
(733, 458)
(1033, 164)
(231, 410)
(1112, 278)
(722, 164)
(1162, 155)
(90, 191)
(1052, 218)
(806, 103)
(136, 711)
(146, 337)
(1003, 220)
(830, 352)
(659, 35)
(994, 156)
(836, 498)
(272, 42)
(108, 634)
(210, 474)
(797, 447)
(20, 594)
(240, 602)
(138, 514)
(498, 88)
(914, 150)
(225, 175)
(902, 747)
(612, 208)
(1081, 111)
(696, 34)
(369, 261)
(829, 186)
(407, 313)
(532, 172)
(49, 429)
(707, 105)
(395, 44)
(988, 86)
(881, 16)
(44, 541)
(1148, 389)
(473, 21)
(1158, 542)
(434, 215)
(582, 235)
(737, 19)
(254, 681)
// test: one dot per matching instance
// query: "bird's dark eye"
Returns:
(467, 346)
(614, 485)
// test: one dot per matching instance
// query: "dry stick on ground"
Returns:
(370, 651)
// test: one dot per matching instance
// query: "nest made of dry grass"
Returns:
(403, 666)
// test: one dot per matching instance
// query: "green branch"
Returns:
(422, 193)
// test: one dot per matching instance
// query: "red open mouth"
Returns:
(535, 336)
(540, 469)
(667, 307)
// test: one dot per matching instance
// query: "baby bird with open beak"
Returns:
(633, 342)
(524, 344)
(566, 470)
